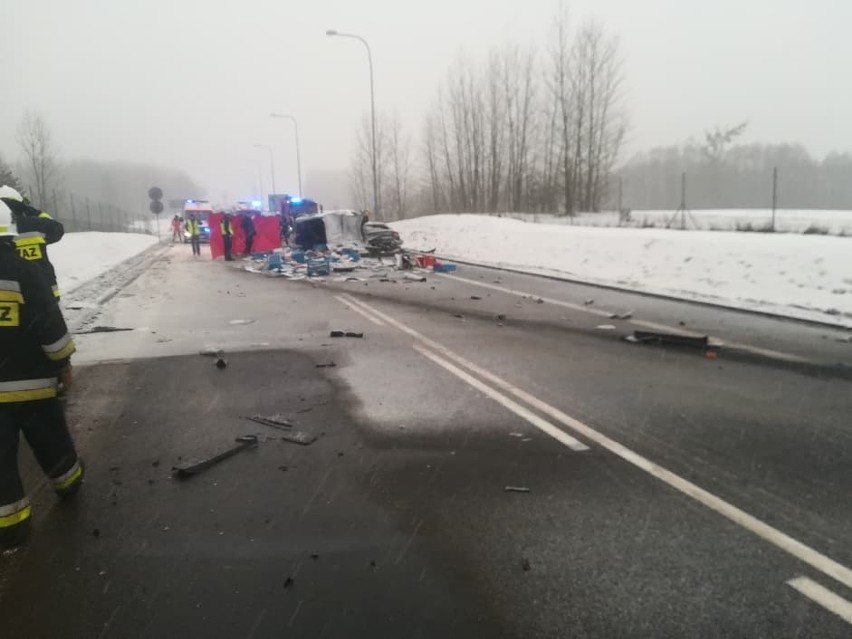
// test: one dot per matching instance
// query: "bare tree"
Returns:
(399, 169)
(360, 170)
(8, 177)
(40, 157)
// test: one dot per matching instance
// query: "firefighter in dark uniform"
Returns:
(36, 229)
(226, 226)
(36, 350)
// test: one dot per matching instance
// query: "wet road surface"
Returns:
(670, 494)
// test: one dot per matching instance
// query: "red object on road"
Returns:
(426, 261)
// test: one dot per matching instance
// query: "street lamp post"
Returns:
(271, 162)
(332, 32)
(298, 152)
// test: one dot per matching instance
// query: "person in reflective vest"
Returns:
(36, 350)
(226, 226)
(194, 230)
(36, 229)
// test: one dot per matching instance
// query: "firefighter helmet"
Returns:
(7, 222)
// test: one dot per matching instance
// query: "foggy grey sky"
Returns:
(190, 83)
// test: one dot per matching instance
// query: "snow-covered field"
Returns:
(79, 257)
(805, 276)
(786, 220)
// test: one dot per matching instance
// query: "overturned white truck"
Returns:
(330, 228)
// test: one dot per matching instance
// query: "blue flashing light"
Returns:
(296, 200)
(190, 201)
(256, 204)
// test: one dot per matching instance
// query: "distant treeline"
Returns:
(125, 184)
(738, 176)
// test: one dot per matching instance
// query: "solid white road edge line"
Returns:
(654, 326)
(780, 540)
(549, 300)
(823, 596)
(361, 312)
(500, 398)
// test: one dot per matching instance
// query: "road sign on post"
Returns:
(156, 205)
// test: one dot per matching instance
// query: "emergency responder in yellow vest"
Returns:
(36, 350)
(227, 228)
(36, 229)
(194, 229)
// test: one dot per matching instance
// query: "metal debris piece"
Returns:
(622, 316)
(458, 315)
(104, 329)
(525, 565)
(516, 489)
(274, 421)
(539, 301)
(516, 435)
(475, 297)
(221, 363)
(326, 365)
(193, 468)
(346, 334)
(410, 277)
(605, 327)
(240, 322)
(501, 317)
(675, 339)
(299, 437)
(589, 302)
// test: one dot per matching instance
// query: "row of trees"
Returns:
(522, 130)
(47, 180)
(722, 173)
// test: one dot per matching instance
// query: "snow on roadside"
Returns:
(827, 222)
(804, 276)
(80, 257)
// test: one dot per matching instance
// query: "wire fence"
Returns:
(81, 213)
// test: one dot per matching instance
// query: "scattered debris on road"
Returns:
(622, 316)
(299, 437)
(605, 327)
(104, 329)
(221, 363)
(589, 302)
(346, 334)
(274, 421)
(672, 339)
(516, 489)
(475, 297)
(326, 365)
(189, 469)
(241, 322)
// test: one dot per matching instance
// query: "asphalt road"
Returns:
(671, 494)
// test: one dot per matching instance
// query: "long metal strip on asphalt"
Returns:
(797, 549)
(654, 326)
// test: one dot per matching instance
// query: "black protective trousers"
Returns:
(43, 425)
(196, 244)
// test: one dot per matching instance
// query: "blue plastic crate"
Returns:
(444, 268)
